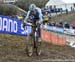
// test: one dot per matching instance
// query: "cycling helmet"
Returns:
(32, 7)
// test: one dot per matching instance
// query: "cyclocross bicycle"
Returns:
(33, 43)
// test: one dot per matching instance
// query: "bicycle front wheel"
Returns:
(38, 49)
(29, 50)
(29, 46)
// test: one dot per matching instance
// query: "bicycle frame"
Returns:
(34, 35)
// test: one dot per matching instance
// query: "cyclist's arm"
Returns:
(40, 16)
(25, 20)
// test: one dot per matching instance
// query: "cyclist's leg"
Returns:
(29, 46)
(38, 49)
(39, 33)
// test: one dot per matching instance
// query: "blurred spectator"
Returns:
(55, 9)
(66, 11)
(66, 25)
(71, 9)
(19, 17)
(61, 10)
(46, 17)
(72, 26)
(61, 24)
(46, 9)
(49, 24)
(53, 23)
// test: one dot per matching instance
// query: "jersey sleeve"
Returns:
(40, 15)
(27, 16)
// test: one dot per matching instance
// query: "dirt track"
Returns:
(14, 51)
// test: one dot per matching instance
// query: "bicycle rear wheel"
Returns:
(38, 48)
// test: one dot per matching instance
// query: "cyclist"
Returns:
(36, 12)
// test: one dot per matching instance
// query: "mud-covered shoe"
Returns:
(39, 39)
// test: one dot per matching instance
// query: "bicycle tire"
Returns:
(29, 51)
(38, 48)
(29, 47)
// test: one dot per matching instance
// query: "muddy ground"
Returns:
(12, 49)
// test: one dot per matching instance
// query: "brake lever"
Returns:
(24, 24)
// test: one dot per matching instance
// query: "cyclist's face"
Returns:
(33, 12)
(32, 9)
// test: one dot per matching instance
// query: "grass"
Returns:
(70, 17)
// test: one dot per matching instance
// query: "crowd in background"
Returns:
(49, 10)
(62, 25)
(46, 11)
(52, 10)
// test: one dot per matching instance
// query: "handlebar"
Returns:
(29, 23)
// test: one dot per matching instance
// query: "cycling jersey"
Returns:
(40, 20)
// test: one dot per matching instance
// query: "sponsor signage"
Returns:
(13, 26)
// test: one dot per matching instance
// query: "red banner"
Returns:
(50, 37)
